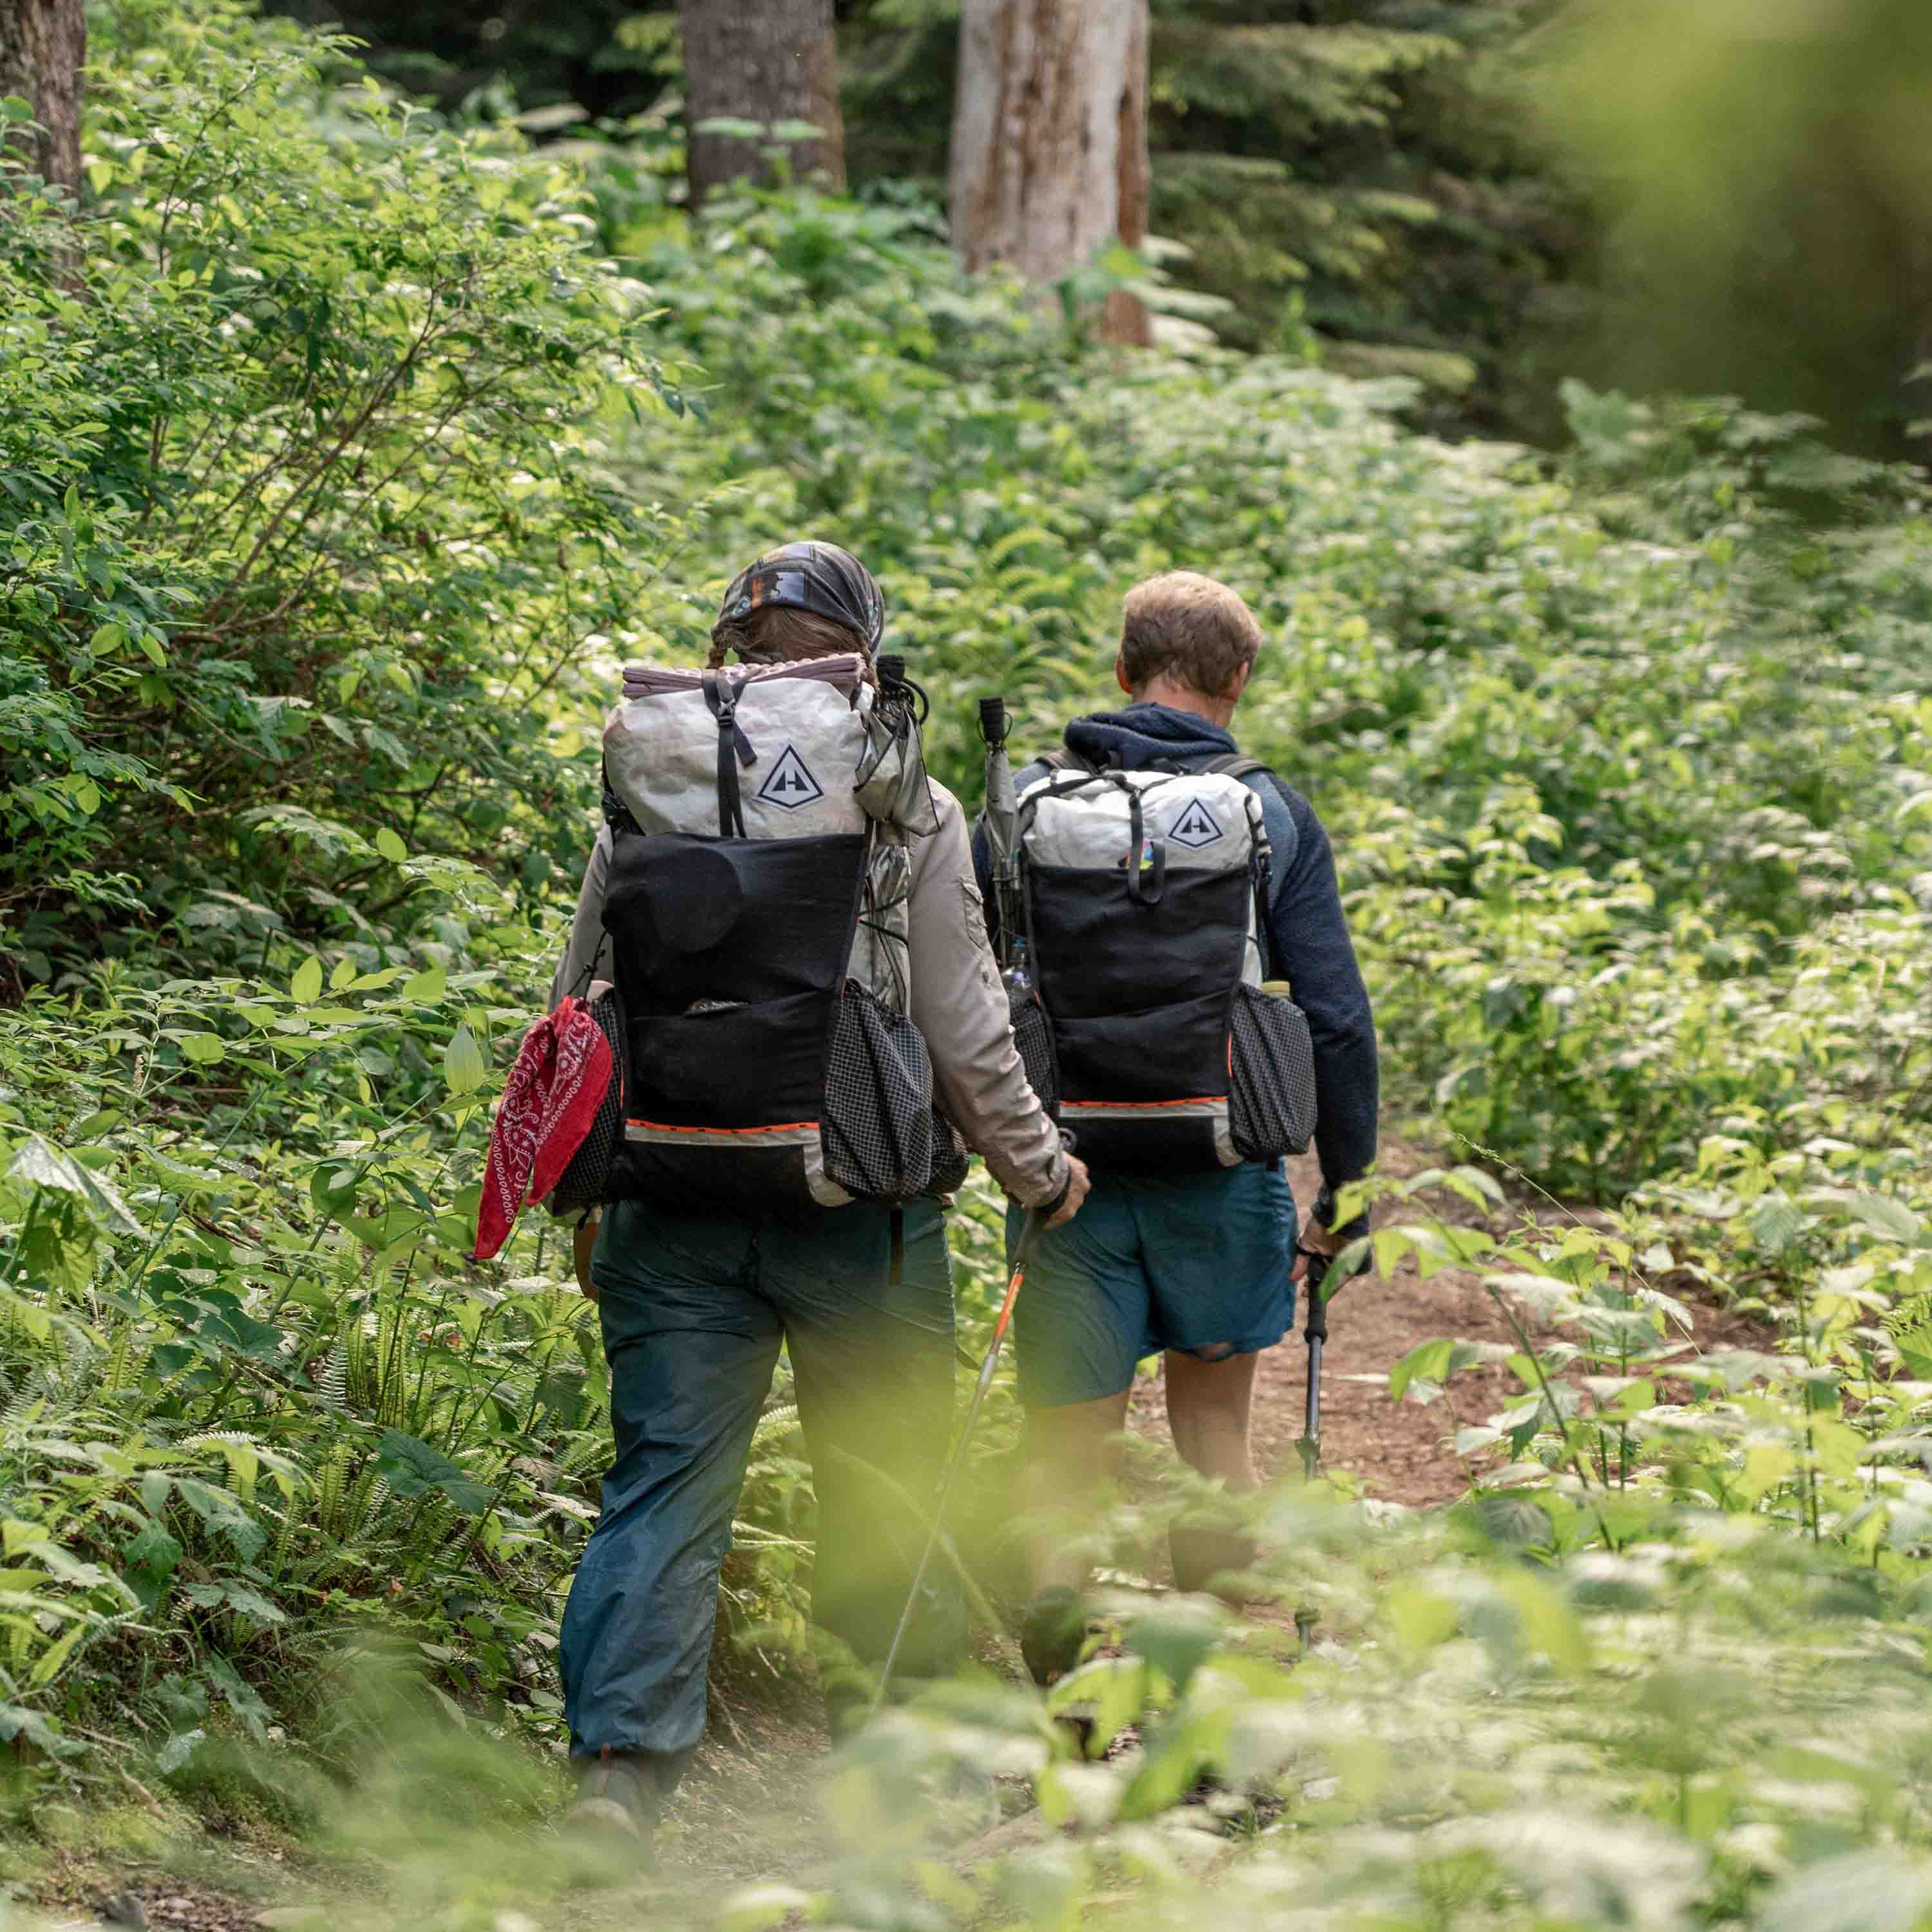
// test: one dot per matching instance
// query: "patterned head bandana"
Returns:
(817, 576)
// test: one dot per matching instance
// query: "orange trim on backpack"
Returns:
(776, 1127)
(1153, 1106)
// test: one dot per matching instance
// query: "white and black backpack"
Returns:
(1143, 898)
(756, 919)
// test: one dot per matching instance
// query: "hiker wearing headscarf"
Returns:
(696, 1298)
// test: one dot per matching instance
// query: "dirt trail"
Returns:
(1398, 1450)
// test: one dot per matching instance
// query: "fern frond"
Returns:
(333, 1388)
(1909, 1324)
(775, 1422)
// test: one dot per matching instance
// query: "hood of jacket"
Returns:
(1147, 734)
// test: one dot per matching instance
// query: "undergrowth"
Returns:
(330, 501)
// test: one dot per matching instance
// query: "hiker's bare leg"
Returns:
(1209, 1406)
(1073, 1451)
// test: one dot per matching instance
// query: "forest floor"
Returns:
(749, 1808)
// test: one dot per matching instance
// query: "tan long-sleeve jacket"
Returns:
(958, 1004)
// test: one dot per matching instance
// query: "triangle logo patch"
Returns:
(791, 783)
(1196, 826)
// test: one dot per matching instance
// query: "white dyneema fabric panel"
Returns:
(806, 723)
(1208, 821)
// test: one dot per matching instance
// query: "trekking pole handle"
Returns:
(1315, 1327)
(993, 720)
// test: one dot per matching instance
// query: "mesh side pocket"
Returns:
(1271, 1068)
(586, 1182)
(950, 1156)
(1032, 1034)
(881, 1137)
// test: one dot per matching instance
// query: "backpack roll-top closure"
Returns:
(758, 752)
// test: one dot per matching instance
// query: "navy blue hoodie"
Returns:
(1309, 931)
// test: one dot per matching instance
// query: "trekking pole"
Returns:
(999, 820)
(1022, 1255)
(1315, 1331)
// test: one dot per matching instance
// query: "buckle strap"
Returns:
(1144, 891)
(734, 749)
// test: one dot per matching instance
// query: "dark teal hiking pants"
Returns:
(694, 1308)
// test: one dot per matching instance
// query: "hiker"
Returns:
(1188, 1245)
(738, 960)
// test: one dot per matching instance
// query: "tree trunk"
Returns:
(1049, 158)
(43, 47)
(759, 60)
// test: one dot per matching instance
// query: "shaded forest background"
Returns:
(1438, 189)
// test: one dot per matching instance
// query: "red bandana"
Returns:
(562, 1073)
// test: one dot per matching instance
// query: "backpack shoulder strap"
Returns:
(1236, 765)
(1060, 759)
(1233, 765)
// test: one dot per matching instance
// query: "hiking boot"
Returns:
(618, 1794)
(1051, 1637)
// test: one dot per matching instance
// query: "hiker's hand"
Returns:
(582, 1242)
(1077, 1183)
(1326, 1241)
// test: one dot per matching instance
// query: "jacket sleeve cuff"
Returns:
(1048, 1209)
(1324, 1213)
(1049, 1194)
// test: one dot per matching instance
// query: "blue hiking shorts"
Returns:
(1199, 1263)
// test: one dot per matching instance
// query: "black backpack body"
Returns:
(1137, 1001)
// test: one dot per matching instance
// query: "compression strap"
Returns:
(734, 749)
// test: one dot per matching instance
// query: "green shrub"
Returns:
(308, 499)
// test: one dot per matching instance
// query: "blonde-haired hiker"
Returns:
(1150, 958)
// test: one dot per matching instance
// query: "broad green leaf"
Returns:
(428, 986)
(1890, 1218)
(333, 1185)
(1111, 1690)
(1176, 1640)
(38, 1164)
(221, 1513)
(413, 1468)
(1871, 1890)
(306, 986)
(390, 846)
(1428, 1361)
(178, 1749)
(1775, 1221)
(463, 1063)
